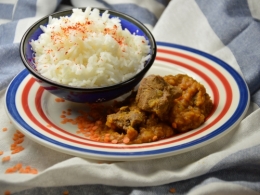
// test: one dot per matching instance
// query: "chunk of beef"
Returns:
(127, 117)
(156, 95)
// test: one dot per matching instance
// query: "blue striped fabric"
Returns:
(137, 12)
(25, 9)
(240, 32)
(11, 66)
(7, 33)
(10, 63)
(133, 9)
(6, 11)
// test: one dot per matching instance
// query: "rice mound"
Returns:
(87, 49)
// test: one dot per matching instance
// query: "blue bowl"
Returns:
(83, 94)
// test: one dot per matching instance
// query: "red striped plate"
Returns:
(36, 113)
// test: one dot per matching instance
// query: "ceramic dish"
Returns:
(35, 112)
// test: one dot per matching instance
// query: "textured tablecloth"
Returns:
(227, 29)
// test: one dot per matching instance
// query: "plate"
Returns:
(37, 113)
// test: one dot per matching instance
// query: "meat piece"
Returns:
(156, 95)
(126, 117)
(153, 130)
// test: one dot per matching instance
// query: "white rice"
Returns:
(88, 50)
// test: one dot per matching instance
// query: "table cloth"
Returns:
(229, 30)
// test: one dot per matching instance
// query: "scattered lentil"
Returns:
(59, 100)
(18, 138)
(172, 190)
(49, 126)
(7, 192)
(6, 158)
(4, 129)
(19, 168)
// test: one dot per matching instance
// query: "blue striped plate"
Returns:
(35, 112)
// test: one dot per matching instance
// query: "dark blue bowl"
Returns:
(83, 94)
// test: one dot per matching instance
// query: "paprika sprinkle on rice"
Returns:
(89, 44)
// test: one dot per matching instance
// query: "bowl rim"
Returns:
(115, 13)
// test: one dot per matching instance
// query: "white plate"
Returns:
(36, 113)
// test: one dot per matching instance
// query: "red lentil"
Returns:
(7, 192)
(19, 168)
(6, 158)
(172, 190)
(66, 192)
(49, 126)
(18, 138)
(59, 100)
(4, 129)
